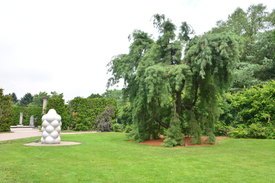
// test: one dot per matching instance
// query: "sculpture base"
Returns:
(63, 143)
(22, 128)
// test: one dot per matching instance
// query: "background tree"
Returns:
(38, 98)
(14, 98)
(256, 30)
(95, 95)
(26, 99)
(114, 94)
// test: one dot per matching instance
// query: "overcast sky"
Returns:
(64, 46)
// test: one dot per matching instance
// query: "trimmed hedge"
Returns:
(57, 102)
(84, 111)
(5, 111)
(80, 114)
(28, 111)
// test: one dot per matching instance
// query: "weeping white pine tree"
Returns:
(170, 93)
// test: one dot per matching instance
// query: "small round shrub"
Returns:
(116, 127)
(81, 127)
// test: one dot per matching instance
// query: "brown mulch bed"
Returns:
(187, 141)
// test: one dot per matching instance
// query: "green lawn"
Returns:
(109, 157)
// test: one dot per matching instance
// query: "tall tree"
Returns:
(165, 90)
(14, 98)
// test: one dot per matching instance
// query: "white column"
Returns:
(21, 119)
(44, 105)
(31, 121)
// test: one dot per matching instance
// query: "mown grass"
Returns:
(109, 157)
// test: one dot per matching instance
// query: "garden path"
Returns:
(20, 133)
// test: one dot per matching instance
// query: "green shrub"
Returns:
(81, 127)
(84, 111)
(270, 130)
(255, 130)
(128, 128)
(174, 136)
(250, 112)
(5, 112)
(254, 105)
(240, 131)
(221, 129)
(116, 127)
(133, 133)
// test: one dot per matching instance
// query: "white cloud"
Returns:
(64, 46)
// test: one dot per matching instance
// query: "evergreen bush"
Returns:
(174, 136)
(116, 127)
(5, 111)
(250, 113)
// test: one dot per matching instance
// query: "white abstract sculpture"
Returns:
(51, 127)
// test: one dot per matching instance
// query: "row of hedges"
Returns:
(249, 113)
(80, 114)
(27, 111)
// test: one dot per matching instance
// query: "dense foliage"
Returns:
(168, 92)
(250, 113)
(14, 98)
(84, 111)
(38, 98)
(5, 111)
(28, 111)
(95, 95)
(57, 102)
(26, 99)
(255, 27)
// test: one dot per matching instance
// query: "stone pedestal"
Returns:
(51, 128)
